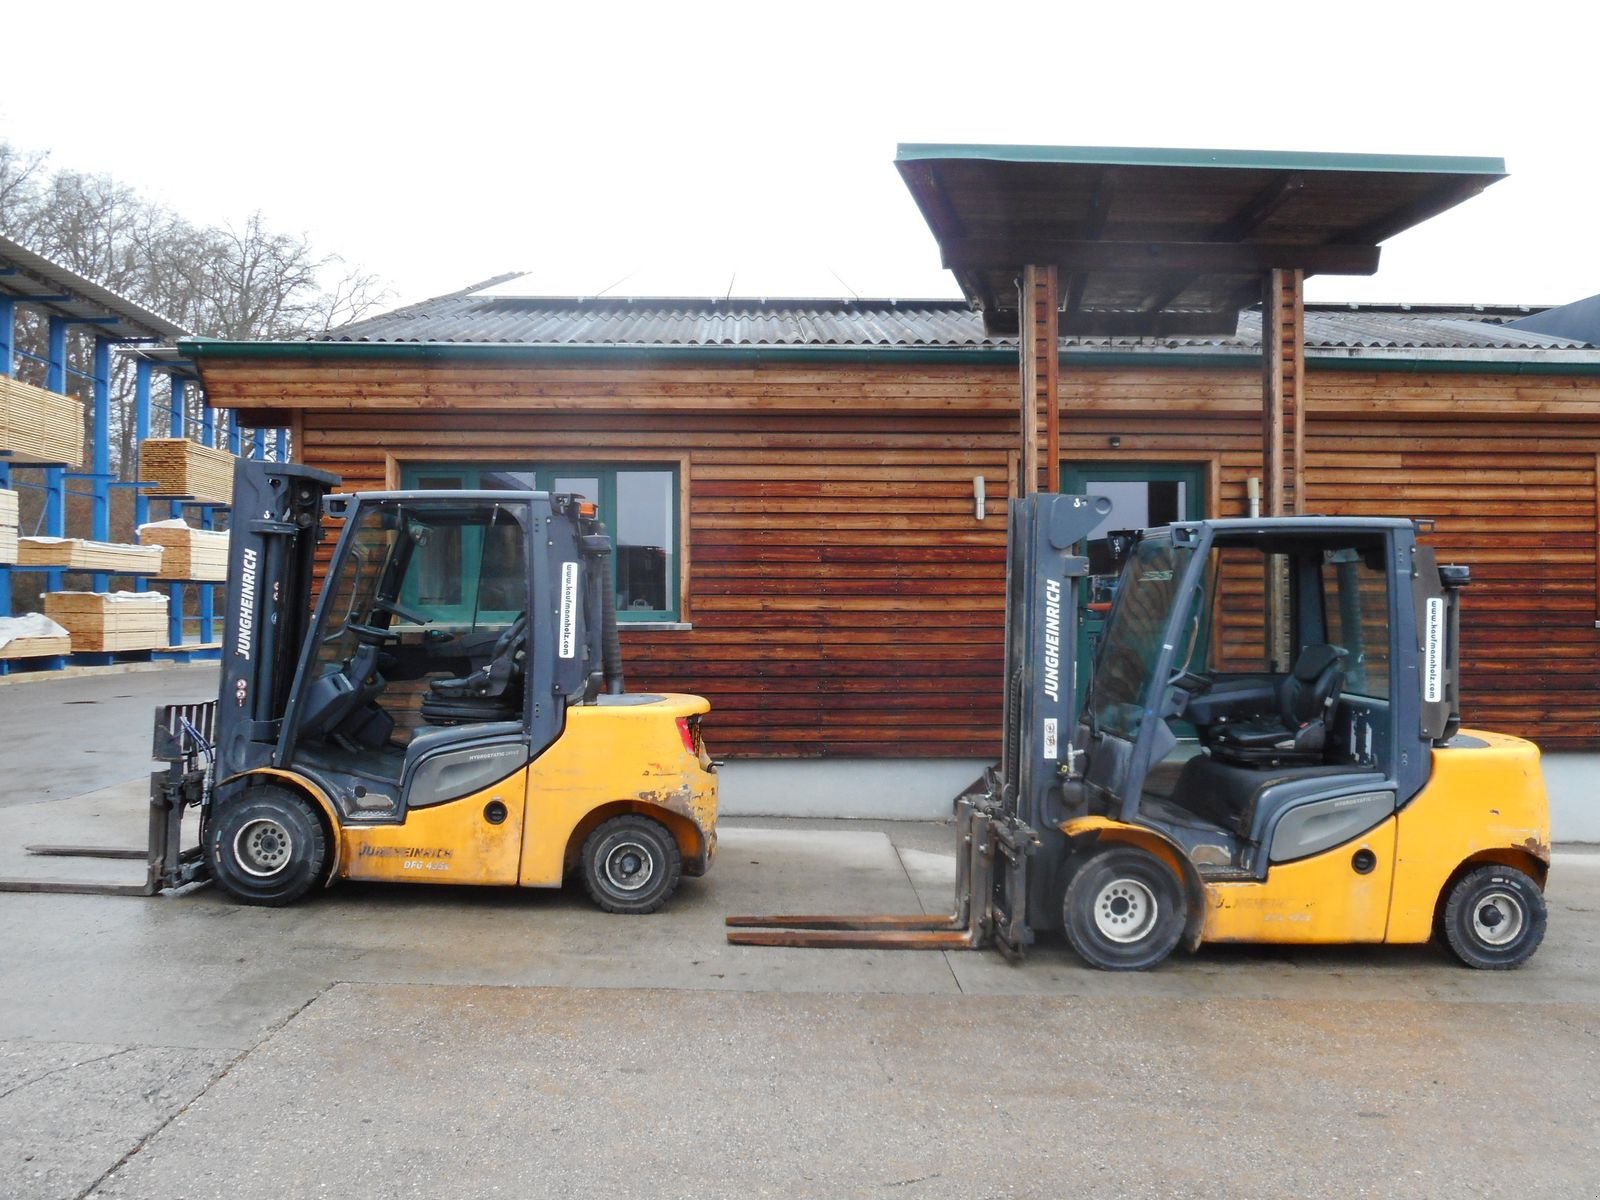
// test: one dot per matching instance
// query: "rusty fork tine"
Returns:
(858, 939)
(970, 926)
(873, 921)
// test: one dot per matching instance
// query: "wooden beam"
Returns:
(1039, 354)
(1283, 418)
(1243, 223)
(1272, 396)
(977, 254)
(1105, 192)
(1295, 385)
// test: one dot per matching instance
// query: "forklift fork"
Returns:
(991, 883)
(183, 735)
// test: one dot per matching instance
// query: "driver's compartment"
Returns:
(421, 647)
(1270, 739)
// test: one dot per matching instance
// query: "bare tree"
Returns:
(242, 283)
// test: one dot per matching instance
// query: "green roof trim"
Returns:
(1460, 362)
(1260, 160)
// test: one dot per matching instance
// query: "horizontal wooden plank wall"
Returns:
(1507, 468)
(843, 598)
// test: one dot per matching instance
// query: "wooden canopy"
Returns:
(1152, 242)
(1047, 240)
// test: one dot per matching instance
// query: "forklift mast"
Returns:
(1040, 712)
(277, 524)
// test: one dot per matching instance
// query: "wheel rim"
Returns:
(628, 866)
(1125, 911)
(262, 847)
(1498, 918)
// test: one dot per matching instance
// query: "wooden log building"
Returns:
(826, 480)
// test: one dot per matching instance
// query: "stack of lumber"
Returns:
(8, 526)
(179, 467)
(78, 554)
(186, 552)
(110, 620)
(32, 635)
(38, 426)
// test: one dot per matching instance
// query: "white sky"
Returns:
(678, 149)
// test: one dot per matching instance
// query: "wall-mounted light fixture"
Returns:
(977, 497)
(1116, 442)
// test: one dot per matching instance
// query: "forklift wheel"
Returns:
(631, 865)
(266, 846)
(1495, 918)
(1124, 910)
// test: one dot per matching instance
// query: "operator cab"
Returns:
(1241, 702)
(415, 684)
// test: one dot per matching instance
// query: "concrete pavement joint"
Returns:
(945, 954)
(72, 1066)
(233, 1062)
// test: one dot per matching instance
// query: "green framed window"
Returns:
(638, 503)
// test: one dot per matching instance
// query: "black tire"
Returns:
(266, 845)
(631, 864)
(1495, 918)
(1124, 910)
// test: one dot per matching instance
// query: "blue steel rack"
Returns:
(68, 301)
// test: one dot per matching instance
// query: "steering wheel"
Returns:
(389, 606)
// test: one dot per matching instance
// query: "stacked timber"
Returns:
(187, 553)
(39, 426)
(179, 467)
(80, 554)
(32, 635)
(8, 526)
(110, 620)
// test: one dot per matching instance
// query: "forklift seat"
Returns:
(491, 693)
(1244, 799)
(1298, 731)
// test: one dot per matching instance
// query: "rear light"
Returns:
(693, 742)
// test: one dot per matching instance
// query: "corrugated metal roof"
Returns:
(577, 322)
(35, 277)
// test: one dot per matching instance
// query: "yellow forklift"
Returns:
(1268, 750)
(450, 711)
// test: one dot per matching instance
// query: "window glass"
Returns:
(468, 564)
(638, 504)
(1138, 503)
(586, 486)
(503, 574)
(351, 593)
(1135, 636)
(643, 537)
(1356, 601)
(1238, 641)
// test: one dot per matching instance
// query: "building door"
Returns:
(1143, 496)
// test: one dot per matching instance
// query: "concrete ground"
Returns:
(389, 1041)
